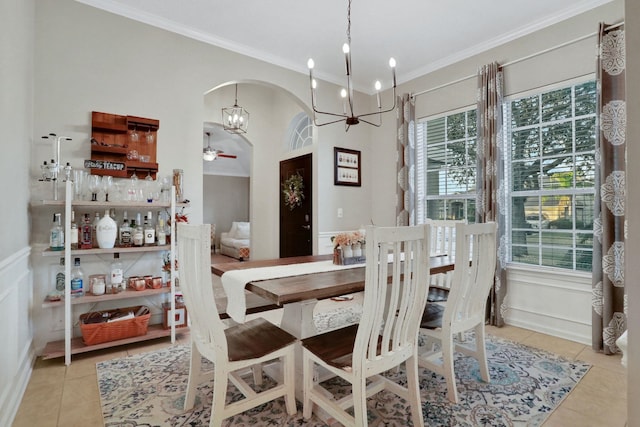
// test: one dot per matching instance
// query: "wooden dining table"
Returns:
(299, 294)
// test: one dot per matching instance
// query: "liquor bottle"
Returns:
(161, 232)
(77, 279)
(74, 236)
(137, 232)
(106, 231)
(126, 239)
(149, 230)
(117, 274)
(86, 236)
(94, 229)
(56, 236)
(60, 276)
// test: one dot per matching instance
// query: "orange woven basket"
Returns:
(96, 333)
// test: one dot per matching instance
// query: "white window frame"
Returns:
(421, 166)
(542, 192)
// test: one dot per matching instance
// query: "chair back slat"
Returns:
(443, 241)
(194, 249)
(396, 287)
(473, 275)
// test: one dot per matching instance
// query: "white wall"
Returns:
(226, 199)
(16, 120)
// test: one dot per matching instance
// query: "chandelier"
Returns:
(348, 115)
(235, 119)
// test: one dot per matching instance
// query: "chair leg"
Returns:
(481, 353)
(194, 373)
(307, 373)
(359, 390)
(447, 368)
(219, 397)
(413, 388)
(288, 367)
(257, 374)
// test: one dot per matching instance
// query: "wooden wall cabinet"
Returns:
(114, 144)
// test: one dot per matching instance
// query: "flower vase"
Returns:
(357, 250)
(337, 256)
(347, 252)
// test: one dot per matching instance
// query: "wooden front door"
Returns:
(295, 221)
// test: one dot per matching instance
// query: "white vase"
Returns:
(357, 250)
(106, 231)
(346, 251)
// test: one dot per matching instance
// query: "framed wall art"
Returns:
(347, 167)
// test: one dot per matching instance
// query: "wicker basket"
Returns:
(96, 333)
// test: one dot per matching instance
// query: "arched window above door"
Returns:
(300, 133)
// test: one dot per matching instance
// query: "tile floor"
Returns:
(68, 396)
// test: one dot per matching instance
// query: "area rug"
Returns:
(526, 385)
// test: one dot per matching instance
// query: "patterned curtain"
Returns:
(609, 299)
(490, 186)
(405, 189)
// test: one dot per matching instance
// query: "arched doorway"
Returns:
(272, 110)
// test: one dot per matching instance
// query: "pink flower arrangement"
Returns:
(347, 239)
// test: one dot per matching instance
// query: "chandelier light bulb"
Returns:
(392, 63)
(310, 63)
(345, 48)
(343, 93)
(378, 85)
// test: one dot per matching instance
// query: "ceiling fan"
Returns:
(210, 154)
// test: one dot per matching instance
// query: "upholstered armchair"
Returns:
(236, 242)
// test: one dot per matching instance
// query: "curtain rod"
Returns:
(515, 61)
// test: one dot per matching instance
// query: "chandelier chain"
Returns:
(349, 23)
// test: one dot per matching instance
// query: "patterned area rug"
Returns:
(526, 385)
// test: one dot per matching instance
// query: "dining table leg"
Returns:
(297, 319)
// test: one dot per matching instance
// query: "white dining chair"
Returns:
(233, 349)
(443, 242)
(464, 310)
(395, 295)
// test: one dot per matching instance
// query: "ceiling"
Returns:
(229, 144)
(422, 35)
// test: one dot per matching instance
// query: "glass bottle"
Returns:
(56, 236)
(106, 231)
(60, 276)
(161, 232)
(149, 230)
(74, 236)
(94, 229)
(116, 274)
(126, 237)
(77, 279)
(137, 232)
(86, 235)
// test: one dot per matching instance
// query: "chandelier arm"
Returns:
(315, 110)
(381, 110)
(370, 123)
(327, 123)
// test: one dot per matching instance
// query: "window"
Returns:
(446, 164)
(550, 150)
(300, 132)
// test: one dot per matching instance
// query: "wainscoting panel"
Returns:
(553, 302)
(16, 352)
